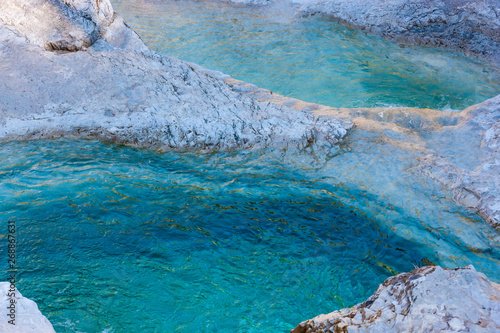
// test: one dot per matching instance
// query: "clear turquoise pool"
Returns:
(117, 239)
(310, 58)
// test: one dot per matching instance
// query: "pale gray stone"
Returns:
(470, 171)
(27, 319)
(428, 299)
(116, 89)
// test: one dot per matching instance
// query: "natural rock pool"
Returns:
(120, 239)
(309, 58)
(117, 239)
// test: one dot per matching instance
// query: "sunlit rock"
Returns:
(428, 299)
(116, 89)
(68, 25)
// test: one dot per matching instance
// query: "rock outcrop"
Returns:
(471, 26)
(27, 317)
(73, 68)
(68, 25)
(114, 88)
(428, 299)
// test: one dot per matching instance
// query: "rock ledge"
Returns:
(428, 299)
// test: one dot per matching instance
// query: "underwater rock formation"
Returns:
(474, 184)
(428, 299)
(459, 150)
(27, 317)
(465, 25)
(114, 88)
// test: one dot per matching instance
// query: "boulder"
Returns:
(428, 299)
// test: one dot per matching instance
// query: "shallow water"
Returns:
(118, 239)
(310, 58)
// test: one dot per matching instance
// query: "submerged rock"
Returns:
(458, 150)
(428, 299)
(470, 26)
(27, 316)
(469, 167)
(466, 25)
(115, 88)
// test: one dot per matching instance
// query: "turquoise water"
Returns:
(309, 58)
(117, 239)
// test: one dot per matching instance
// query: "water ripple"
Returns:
(115, 238)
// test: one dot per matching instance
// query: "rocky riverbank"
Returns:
(472, 27)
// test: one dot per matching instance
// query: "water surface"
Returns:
(310, 58)
(118, 239)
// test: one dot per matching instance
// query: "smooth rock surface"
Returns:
(27, 316)
(116, 89)
(466, 25)
(459, 150)
(471, 170)
(428, 299)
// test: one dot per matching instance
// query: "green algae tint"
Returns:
(116, 239)
(310, 58)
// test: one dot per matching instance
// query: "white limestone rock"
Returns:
(116, 89)
(477, 138)
(470, 26)
(68, 25)
(428, 299)
(27, 319)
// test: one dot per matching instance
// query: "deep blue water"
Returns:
(310, 58)
(119, 239)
